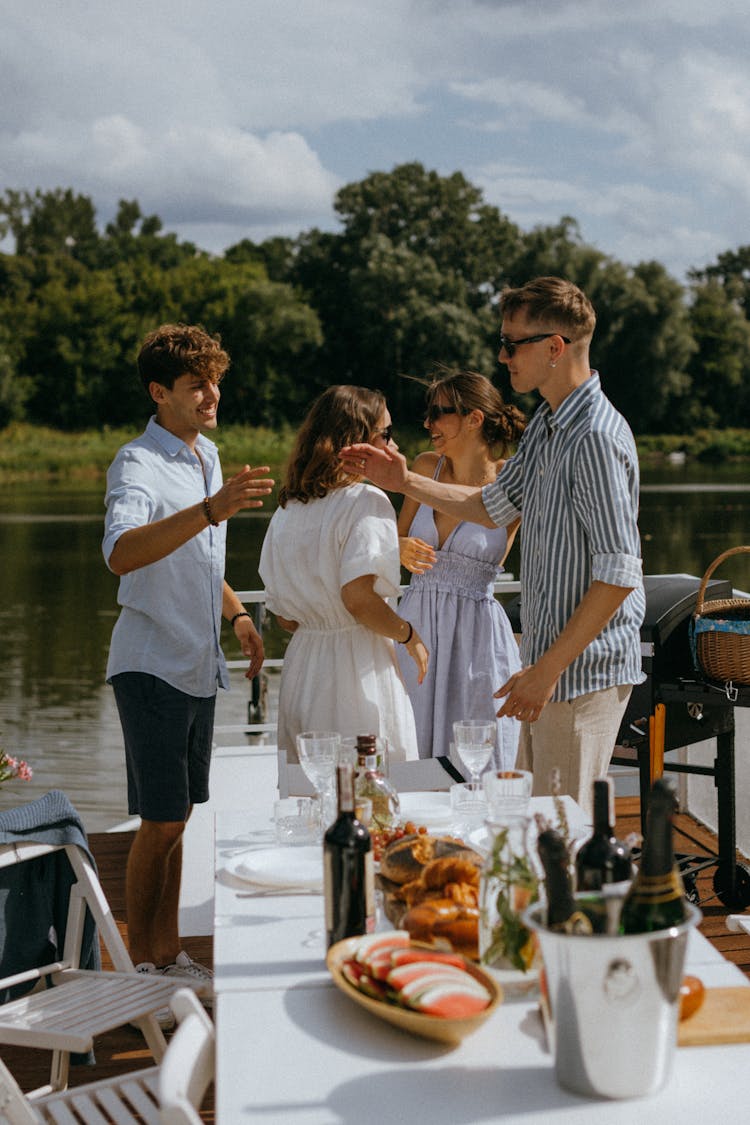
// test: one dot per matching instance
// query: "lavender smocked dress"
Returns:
(467, 632)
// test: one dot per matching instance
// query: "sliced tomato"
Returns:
(369, 944)
(405, 974)
(352, 971)
(407, 956)
(370, 987)
(415, 989)
(450, 1001)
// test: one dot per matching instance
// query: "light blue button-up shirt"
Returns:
(170, 621)
(575, 480)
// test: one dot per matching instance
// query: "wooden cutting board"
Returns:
(723, 1017)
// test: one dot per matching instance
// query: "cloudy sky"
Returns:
(241, 118)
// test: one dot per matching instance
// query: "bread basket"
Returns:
(720, 631)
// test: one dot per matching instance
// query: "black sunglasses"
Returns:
(386, 434)
(511, 345)
(434, 412)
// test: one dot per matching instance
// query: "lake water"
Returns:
(59, 606)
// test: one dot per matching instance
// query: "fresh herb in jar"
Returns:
(511, 884)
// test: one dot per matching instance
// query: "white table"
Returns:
(292, 1049)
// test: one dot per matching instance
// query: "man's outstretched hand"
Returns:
(384, 467)
(240, 492)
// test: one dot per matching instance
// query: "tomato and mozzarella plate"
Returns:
(388, 967)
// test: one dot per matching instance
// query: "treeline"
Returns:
(409, 281)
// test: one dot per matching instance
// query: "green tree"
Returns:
(732, 271)
(410, 281)
(58, 222)
(442, 217)
(720, 367)
(643, 343)
(133, 235)
(14, 389)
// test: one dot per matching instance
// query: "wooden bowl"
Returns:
(429, 1027)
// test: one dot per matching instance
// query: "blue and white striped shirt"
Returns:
(574, 480)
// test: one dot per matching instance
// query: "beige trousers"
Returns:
(577, 737)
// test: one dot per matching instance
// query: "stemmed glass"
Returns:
(319, 752)
(475, 741)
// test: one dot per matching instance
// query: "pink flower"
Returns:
(13, 768)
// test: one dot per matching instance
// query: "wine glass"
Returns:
(475, 741)
(318, 752)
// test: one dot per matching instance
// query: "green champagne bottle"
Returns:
(565, 913)
(656, 899)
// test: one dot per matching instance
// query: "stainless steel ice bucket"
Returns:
(613, 1005)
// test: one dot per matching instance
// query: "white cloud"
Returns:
(247, 117)
(185, 171)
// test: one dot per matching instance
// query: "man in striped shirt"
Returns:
(574, 482)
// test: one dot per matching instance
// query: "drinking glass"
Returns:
(508, 792)
(297, 820)
(318, 752)
(475, 741)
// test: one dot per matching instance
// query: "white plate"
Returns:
(578, 828)
(433, 810)
(280, 867)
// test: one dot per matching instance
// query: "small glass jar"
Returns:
(509, 882)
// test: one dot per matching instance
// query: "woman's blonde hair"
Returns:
(342, 415)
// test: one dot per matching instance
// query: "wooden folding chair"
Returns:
(83, 1002)
(169, 1094)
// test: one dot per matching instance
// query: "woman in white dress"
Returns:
(330, 558)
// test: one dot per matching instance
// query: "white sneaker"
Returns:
(198, 976)
(163, 1016)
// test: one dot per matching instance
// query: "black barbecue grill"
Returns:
(677, 707)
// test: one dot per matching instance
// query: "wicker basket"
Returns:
(720, 631)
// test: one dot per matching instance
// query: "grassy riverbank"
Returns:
(35, 453)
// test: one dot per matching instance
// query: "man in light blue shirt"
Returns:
(165, 536)
(574, 481)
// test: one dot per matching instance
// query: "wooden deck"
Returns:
(124, 1050)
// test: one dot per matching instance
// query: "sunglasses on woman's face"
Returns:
(434, 412)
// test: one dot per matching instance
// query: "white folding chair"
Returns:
(168, 1094)
(83, 1002)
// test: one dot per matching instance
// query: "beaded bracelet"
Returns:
(409, 635)
(244, 613)
(209, 514)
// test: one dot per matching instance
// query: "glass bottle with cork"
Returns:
(372, 782)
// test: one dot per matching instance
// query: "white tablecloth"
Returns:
(292, 1049)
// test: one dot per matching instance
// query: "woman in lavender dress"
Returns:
(454, 565)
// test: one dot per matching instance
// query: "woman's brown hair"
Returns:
(468, 390)
(342, 415)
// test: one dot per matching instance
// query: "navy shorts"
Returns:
(168, 737)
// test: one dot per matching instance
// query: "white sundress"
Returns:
(337, 675)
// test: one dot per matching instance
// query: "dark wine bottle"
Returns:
(348, 870)
(656, 899)
(602, 860)
(565, 913)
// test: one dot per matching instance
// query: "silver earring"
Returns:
(552, 364)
